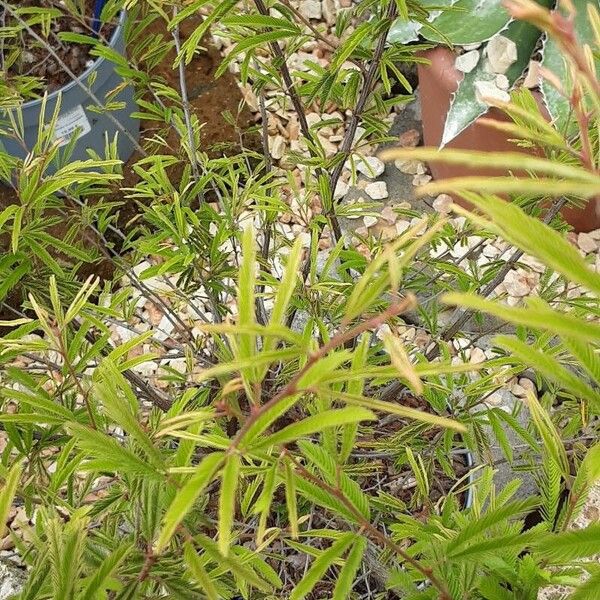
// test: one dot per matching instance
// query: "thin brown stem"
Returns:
(373, 532)
(339, 339)
(83, 393)
(292, 93)
(345, 150)
(186, 104)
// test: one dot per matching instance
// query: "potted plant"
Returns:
(490, 55)
(64, 60)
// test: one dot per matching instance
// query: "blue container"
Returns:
(75, 119)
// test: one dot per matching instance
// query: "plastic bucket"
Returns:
(91, 126)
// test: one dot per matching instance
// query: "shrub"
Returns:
(292, 444)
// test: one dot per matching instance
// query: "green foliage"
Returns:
(298, 447)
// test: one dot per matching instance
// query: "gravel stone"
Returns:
(377, 190)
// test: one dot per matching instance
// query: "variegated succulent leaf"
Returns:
(553, 60)
(469, 22)
(465, 107)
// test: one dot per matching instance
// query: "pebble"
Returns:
(421, 179)
(518, 390)
(310, 9)
(145, 369)
(165, 328)
(502, 82)
(467, 62)
(532, 79)
(490, 251)
(389, 214)
(501, 53)
(477, 356)
(329, 11)
(487, 90)
(370, 220)
(341, 189)
(443, 203)
(277, 146)
(177, 364)
(519, 283)
(402, 226)
(410, 167)
(371, 166)
(497, 398)
(377, 190)
(587, 243)
(409, 138)
(461, 343)
(439, 250)
(527, 385)
(125, 333)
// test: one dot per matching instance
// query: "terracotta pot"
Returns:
(437, 82)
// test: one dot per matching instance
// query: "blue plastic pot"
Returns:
(91, 128)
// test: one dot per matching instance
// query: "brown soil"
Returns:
(211, 100)
(35, 61)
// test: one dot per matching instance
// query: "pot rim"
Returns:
(97, 63)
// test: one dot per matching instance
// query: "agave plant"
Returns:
(473, 22)
(569, 173)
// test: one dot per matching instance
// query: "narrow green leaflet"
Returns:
(110, 454)
(552, 443)
(507, 160)
(588, 590)
(186, 496)
(320, 566)
(245, 298)
(290, 498)
(190, 46)
(591, 464)
(354, 386)
(537, 315)
(404, 31)
(229, 485)
(283, 297)
(395, 409)
(491, 546)
(469, 22)
(537, 239)
(343, 586)
(105, 570)
(262, 506)
(315, 494)
(315, 424)
(232, 563)
(585, 353)
(553, 59)
(570, 545)
(550, 367)
(476, 528)
(121, 405)
(465, 107)
(194, 564)
(7, 494)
